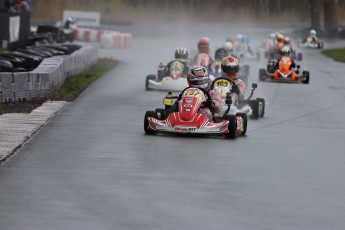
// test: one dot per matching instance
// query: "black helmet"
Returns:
(221, 53)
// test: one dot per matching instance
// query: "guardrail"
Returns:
(106, 38)
(39, 84)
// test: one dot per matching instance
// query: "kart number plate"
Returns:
(221, 83)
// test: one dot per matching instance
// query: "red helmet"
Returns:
(203, 45)
(230, 67)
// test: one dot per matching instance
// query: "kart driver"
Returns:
(279, 41)
(198, 77)
(285, 58)
(311, 37)
(214, 67)
(230, 67)
(203, 47)
(181, 54)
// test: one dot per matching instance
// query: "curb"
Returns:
(17, 128)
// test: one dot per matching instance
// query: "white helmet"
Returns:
(312, 32)
(228, 46)
(239, 36)
(272, 35)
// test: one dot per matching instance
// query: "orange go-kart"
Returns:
(284, 72)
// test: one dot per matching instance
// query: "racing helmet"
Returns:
(286, 51)
(181, 54)
(204, 45)
(198, 77)
(280, 37)
(228, 46)
(312, 32)
(245, 39)
(287, 41)
(220, 53)
(230, 67)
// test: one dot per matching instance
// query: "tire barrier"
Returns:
(39, 84)
(107, 39)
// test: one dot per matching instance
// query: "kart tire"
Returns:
(320, 45)
(149, 77)
(254, 105)
(232, 126)
(267, 55)
(262, 73)
(245, 121)
(307, 77)
(299, 56)
(146, 122)
(261, 106)
(162, 112)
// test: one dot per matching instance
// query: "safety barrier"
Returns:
(107, 39)
(49, 76)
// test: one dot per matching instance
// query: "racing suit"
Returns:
(195, 60)
(292, 65)
(185, 68)
(311, 39)
(217, 105)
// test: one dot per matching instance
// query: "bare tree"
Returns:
(315, 13)
(331, 15)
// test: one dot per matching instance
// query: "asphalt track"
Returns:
(92, 166)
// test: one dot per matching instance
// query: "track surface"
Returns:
(92, 166)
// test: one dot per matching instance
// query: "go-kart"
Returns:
(284, 73)
(309, 43)
(184, 116)
(171, 78)
(254, 108)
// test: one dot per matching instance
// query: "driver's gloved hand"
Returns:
(235, 89)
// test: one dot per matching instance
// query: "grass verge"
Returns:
(73, 86)
(70, 90)
(336, 54)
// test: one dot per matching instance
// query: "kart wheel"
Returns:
(160, 113)
(320, 45)
(261, 106)
(232, 126)
(245, 121)
(149, 77)
(307, 76)
(254, 105)
(146, 122)
(267, 55)
(262, 73)
(299, 56)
